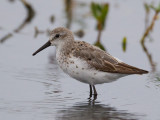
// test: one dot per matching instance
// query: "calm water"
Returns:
(34, 88)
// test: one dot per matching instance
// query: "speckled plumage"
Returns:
(86, 62)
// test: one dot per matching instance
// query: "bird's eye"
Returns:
(57, 36)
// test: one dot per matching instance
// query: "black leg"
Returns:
(90, 91)
(95, 92)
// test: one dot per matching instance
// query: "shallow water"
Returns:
(35, 88)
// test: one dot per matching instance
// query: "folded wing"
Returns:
(102, 61)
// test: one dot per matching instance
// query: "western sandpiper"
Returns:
(85, 62)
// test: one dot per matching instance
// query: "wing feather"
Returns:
(103, 61)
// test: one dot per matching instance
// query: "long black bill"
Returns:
(47, 44)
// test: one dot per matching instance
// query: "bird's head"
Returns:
(58, 37)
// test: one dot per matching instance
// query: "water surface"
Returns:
(35, 88)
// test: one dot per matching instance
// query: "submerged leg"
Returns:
(90, 95)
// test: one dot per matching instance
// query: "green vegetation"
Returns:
(124, 44)
(99, 12)
(150, 27)
(98, 44)
(157, 9)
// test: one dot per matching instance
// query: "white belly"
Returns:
(78, 69)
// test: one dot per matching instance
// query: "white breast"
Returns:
(79, 69)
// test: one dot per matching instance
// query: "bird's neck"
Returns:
(64, 47)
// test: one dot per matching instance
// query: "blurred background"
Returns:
(34, 88)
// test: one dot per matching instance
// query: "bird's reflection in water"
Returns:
(94, 111)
